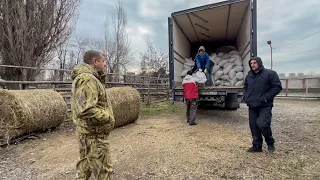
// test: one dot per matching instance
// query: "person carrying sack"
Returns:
(191, 96)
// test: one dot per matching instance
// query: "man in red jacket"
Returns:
(191, 96)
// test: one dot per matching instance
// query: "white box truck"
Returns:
(227, 23)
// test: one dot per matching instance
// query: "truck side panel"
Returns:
(171, 54)
(253, 40)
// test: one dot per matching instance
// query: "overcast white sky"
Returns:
(281, 22)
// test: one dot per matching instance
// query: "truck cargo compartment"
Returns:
(226, 23)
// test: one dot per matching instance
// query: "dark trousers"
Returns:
(260, 125)
(192, 105)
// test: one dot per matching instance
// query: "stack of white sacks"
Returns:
(187, 66)
(227, 69)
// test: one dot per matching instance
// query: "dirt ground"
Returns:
(162, 146)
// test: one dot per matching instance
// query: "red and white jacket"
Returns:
(190, 88)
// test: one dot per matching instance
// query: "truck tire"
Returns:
(232, 102)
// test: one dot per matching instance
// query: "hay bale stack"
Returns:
(125, 104)
(27, 111)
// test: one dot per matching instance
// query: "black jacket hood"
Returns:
(259, 61)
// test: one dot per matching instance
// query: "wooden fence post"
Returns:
(148, 101)
(24, 78)
(287, 84)
(307, 87)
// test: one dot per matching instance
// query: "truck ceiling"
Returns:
(215, 22)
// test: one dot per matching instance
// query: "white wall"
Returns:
(183, 47)
(299, 84)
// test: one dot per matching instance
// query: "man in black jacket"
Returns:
(261, 86)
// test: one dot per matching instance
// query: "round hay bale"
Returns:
(125, 103)
(26, 111)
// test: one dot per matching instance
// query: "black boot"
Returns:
(271, 148)
(255, 149)
(192, 123)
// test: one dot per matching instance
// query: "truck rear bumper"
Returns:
(209, 95)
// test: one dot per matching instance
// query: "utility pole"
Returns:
(269, 42)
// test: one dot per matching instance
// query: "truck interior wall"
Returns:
(243, 41)
(182, 48)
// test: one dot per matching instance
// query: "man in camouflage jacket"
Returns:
(92, 113)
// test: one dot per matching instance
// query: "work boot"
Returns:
(255, 149)
(271, 148)
(192, 123)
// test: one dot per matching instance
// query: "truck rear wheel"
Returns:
(232, 102)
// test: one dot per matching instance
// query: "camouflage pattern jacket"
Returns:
(91, 108)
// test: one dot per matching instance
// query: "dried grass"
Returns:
(26, 111)
(125, 104)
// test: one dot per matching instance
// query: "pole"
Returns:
(271, 56)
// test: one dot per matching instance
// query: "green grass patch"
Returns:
(161, 108)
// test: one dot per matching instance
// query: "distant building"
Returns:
(301, 75)
(282, 75)
(292, 75)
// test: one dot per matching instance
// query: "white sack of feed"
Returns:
(223, 62)
(220, 54)
(233, 81)
(239, 83)
(228, 64)
(225, 82)
(188, 67)
(238, 61)
(227, 69)
(218, 83)
(226, 49)
(217, 59)
(184, 72)
(189, 62)
(188, 79)
(215, 68)
(233, 52)
(240, 76)
(232, 59)
(238, 68)
(212, 78)
(218, 74)
(225, 78)
(232, 74)
(200, 77)
(212, 57)
(226, 55)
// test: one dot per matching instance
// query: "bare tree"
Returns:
(62, 52)
(116, 43)
(30, 31)
(154, 61)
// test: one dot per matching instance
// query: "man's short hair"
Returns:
(91, 54)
